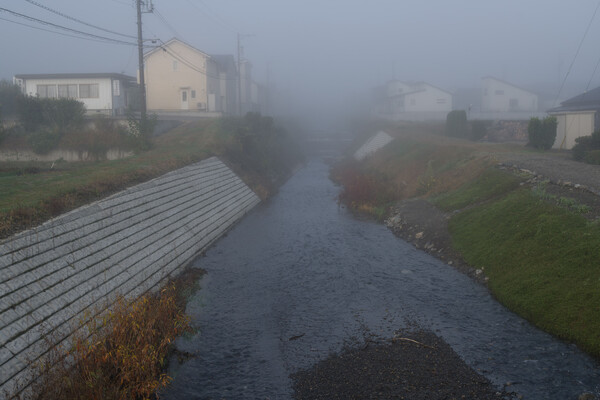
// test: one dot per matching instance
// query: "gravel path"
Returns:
(558, 166)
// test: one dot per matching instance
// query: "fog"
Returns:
(327, 55)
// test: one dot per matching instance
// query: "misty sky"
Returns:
(327, 49)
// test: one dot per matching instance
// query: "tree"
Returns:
(456, 124)
(542, 133)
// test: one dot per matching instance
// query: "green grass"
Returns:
(490, 184)
(34, 193)
(541, 260)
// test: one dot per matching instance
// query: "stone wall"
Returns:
(126, 244)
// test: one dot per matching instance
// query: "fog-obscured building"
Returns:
(419, 101)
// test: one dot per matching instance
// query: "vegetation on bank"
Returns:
(538, 250)
(258, 150)
(120, 353)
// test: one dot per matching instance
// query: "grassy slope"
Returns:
(27, 199)
(541, 260)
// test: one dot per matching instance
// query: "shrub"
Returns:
(542, 133)
(120, 355)
(478, 130)
(44, 139)
(9, 97)
(34, 112)
(456, 124)
(585, 145)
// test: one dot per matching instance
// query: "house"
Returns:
(498, 96)
(577, 116)
(104, 93)
(180, 78)
(412, 101)
(228, 78)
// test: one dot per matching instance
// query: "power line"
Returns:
(91, 35)
(212, 15)
(167, 24)
(577, 53)
(35, 3)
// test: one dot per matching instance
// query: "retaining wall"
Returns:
(126, 244)
(373, 144)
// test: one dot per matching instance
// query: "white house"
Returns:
(100, 92)
(577, 116)
(412, 101)
(498, 96)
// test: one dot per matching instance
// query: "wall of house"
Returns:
(571, 126)
(127, 244)
(166, 78)
(103, 103)
(430, 100)
(497, 96)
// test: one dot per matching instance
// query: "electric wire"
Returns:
(90, 35)
(212, 15)
(167, 24)
(577, 53)
(35, 3)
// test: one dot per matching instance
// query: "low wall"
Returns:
(55, 155)
(126, 244)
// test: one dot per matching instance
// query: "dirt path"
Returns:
(557, 166)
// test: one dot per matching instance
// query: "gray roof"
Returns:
(111, 75)
(588, 101)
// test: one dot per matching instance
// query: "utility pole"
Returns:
(239, 60)
(141, 63)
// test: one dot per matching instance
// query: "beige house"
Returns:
(182, 79)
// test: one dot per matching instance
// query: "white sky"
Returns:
(328, 48)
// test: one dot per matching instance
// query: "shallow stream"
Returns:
(301, 268)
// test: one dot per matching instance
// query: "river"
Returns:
(300, 267)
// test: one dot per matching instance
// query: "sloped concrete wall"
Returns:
(374, 143)
(126, 244)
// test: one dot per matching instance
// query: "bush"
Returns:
(44, 139)
(542, 133)
(120, 355)
(34, 112)
(9, 97)
(456, 124)
(478, 130)
(585, 145)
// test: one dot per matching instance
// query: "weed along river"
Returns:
(299, 278)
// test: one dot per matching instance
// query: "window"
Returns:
(441, 101)
(67, 91)
(175, 65)
(513, 104)
(46, 90)
(184, 95)
(116, 88)
(193, 94)
(88, 91)
(499, 92)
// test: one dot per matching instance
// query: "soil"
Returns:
(414, 365)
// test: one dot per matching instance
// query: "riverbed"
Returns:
(300, 277)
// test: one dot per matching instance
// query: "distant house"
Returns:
(577, 116)
(104, 93)
(411, 101)
(228, 78)
(181, 78)
(498, 96)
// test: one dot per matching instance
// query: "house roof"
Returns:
(171, 41)
(587, 101)
(111, 75)
(509, 84)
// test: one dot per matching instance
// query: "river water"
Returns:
(299, 267)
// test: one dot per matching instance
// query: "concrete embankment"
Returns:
(127, 244)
